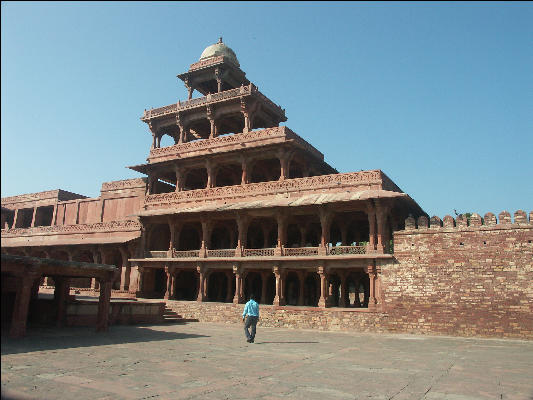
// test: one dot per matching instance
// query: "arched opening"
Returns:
(195, 179)
(159, 238)
(223, 236)
(217, 286)
(262, 233)
(199, 129)
(186, 285)
(160, 283)
(265, 170)
(167, 140)
(311, 290)
(228, 175)
(292, 289)
(293, 236)
(230, 123)
(253, 285)
(190, 237)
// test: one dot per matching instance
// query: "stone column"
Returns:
(54, 216)
(342, 300)
(206, 237)
(211, 178)
(325, 223)
(33, 217)
(179, 179)
(282, 229)
(301, 279)
(245, 165)
(170, 276)
(381, 217)
(125, 270)
(279, 298)
(323, 287)
(134, 279)
(15, 218)
(102, 320)
(371, 270)
(372, 229)
(237, 299)
(211, 118)
(242, 226)
(219, 80)
(245, 110)
(171, 245)
(19, 318)
(201, 282)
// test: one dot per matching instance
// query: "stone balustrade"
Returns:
(364, 180)
(112, 226)
(265, 252)
(248, 90)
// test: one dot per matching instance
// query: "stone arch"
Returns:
(186, 285)
(217, 286)
(311, 289)
(265, 170)
(190, 237)
(159, 238)
(228, 175)
(292, 288)
(253, 284)
(195, 179)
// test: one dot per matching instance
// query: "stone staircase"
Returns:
(172, 317)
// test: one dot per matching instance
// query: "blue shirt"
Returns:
(251, 308)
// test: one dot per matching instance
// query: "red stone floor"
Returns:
(213, 361)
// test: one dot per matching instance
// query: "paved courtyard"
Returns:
(213, 361)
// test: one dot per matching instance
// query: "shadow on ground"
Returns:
(41, 339)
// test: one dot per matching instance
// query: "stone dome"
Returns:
(219, 49)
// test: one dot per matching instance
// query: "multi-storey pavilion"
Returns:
(238, 204)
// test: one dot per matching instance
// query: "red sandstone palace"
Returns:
(240, 204)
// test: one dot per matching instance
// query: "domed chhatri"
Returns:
(219, 49)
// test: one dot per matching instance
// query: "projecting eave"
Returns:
(278, 201)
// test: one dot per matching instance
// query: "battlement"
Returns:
(472, 221)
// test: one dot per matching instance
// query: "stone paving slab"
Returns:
(211, 361)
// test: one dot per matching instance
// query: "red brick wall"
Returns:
(465, 280)
(462, 279)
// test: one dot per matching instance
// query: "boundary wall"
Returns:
(461, 277)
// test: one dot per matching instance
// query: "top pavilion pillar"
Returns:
(217, 70)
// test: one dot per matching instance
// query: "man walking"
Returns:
(251, 313)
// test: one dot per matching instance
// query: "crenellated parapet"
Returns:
(474, 221)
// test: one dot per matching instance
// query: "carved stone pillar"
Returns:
(381, 217)
(201, 282)
(372, 229)
(279, 298)
(282, 233)
(15, 218)
(211, 170)
(102, 320)
(211, 117)
(284, 160)
(206, 237)
(33, 217)
(219, 80)
(325, 223)
(242, 226)
(134, 279)
(342, 300)
(245, 165)
(170, 282)
(19, 317)
(125, 270)
(238, 298)
(323, 287)
(245, 110)
(179, 179)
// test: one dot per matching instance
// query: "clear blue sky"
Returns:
(437, 95)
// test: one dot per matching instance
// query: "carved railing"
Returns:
(78, 228)
(206, 62)
(209, 99)
(313, 183)
(185, 253)
(221, 253)
(340, 250)
(240, 138)
(300, 251)
(268, 252)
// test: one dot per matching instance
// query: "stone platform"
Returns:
(213, 361)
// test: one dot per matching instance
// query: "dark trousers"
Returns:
(251, 322)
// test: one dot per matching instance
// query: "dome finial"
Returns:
(220, 39)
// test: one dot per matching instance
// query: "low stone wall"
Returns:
(338, 319)
(84, 313)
